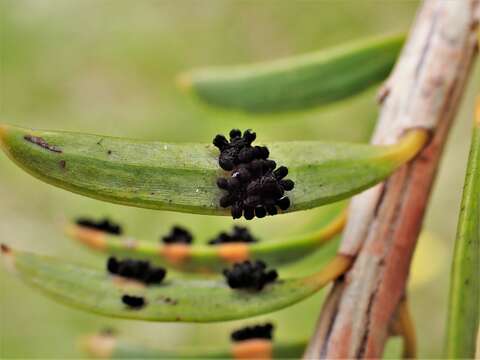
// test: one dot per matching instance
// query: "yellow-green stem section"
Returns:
(408, 146)
(407, 329)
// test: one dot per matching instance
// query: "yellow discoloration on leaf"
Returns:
(409, 146)
(253, 349)
(335, 268)
(332, 229)
(3, 134)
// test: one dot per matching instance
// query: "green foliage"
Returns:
(175, 300)
(182, 177)
(299, 82)
(111, 346)
(210, 259)
(464, 310)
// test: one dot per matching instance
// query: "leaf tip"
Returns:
(184, 82)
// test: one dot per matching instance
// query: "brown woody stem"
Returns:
(423, 91)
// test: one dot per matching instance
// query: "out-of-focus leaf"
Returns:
(299, 82)
(176, 300)
(205, 258)
(106, 346)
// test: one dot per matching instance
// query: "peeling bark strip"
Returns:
(42, 143)
(423, 91)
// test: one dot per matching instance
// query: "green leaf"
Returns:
(211, 259)
(186, 300)
(299, 82)
(464, 309)
(109, 346)
(182, 177)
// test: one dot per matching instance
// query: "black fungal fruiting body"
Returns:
(253, 332)
(238, 234)
(136, 269)
(254, 187)
(133, 302)
(249, 275)
(102, 225)
(178, 235)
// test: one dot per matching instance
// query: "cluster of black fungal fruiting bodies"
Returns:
(238, 234)
(136, 269)
(254, 187)
(249, 275)
(178, 235)
(102, 225)
(253, 332)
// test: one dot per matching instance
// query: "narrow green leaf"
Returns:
(299, 82)
(108, 346)
(464, 310)
(211, 259)
(182, 177)
(185, 300)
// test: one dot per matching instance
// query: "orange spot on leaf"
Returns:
(175, 253)
(253, 349)
(234, 252)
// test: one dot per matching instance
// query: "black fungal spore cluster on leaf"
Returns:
(238, 234)
(102, 225)
(249, 275)
(255, 187)
(253, 332)
(178, 235)
(136, 269)
(134, 302)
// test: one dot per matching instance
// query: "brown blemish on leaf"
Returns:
(168, 300)
(8, 258)
(234, 252)
(90, 237)
(63, 164)
(5, 249)
(175, 253)
(253, 349)
(42, 143)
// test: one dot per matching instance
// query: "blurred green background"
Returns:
(109, 67)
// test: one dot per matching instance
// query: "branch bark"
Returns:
(423, 91)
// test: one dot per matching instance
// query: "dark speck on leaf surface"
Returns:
(42, 143)
(133, 302)
(63, 164)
